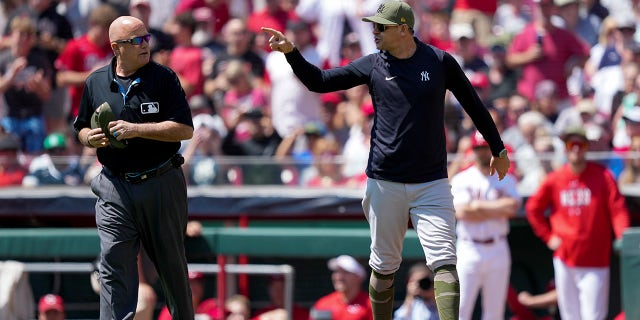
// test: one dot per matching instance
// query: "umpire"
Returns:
(142, 195)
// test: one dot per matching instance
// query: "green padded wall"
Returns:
(630, 273)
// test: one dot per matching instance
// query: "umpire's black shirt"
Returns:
(408, 137)
(154, 95)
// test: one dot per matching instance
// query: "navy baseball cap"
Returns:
(393, 13)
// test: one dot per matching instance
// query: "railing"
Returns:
(239, 171)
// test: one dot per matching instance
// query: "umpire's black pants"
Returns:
(153, 212)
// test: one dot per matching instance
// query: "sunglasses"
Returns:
(383, 27)
(627, 29)
(571, 144)
(136, 41)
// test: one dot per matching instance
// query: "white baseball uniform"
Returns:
(484, 260)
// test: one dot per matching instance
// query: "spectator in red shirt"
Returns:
(186, 59)
(83, 55)
(478, 13)
(11, 171)
(219, 8)
(544, 51)
(586, 206)
(207, 307)
(348, 301)
(273, 15)
(434, 28)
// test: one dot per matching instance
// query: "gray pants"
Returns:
(388, 206)
(153, 212)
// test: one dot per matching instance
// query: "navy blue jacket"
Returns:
(408, 135)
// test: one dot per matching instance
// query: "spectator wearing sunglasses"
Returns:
(586, 208)
(141, 190)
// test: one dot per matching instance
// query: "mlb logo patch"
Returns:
(150, 107)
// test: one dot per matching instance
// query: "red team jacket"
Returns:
(583, 211)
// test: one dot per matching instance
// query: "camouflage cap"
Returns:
(101, 118)
(393, 12)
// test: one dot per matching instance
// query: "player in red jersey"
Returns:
(585, 206)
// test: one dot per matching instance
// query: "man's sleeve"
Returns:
(340, 78)
(536, 205)
(85, 111)
(620, 219)
(175, 97)
(458, 83)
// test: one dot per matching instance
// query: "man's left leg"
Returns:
(163, 232)
(381, 295)
(433, 218)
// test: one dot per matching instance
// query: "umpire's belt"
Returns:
(136, 177)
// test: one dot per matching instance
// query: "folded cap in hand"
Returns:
(101, 118)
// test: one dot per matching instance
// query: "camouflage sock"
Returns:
(447, 289)
(381, 295)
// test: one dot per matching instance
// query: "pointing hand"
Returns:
(278, 41)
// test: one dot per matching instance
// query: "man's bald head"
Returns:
(124, 27)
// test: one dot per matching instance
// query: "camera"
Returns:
(254, 113)
(425, 283)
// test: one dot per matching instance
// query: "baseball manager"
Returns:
(407, 166)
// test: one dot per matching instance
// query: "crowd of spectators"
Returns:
(539, 65)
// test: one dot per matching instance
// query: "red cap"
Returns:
(193, 275)
(367, 108)
(331, 97)
(50, 302)
(477, 140)
(479, 80)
